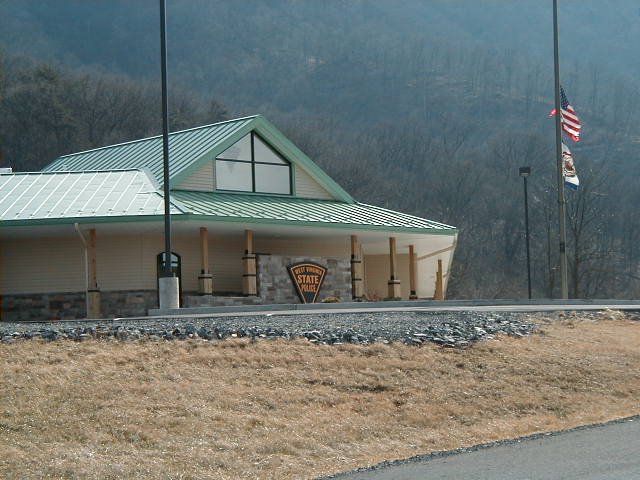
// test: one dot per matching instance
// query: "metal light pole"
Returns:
(524, 173)
(169, 289)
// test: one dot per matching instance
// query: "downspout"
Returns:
(86, 266)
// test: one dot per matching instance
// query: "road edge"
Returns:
(481, 446)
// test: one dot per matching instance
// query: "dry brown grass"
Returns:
(279, 409)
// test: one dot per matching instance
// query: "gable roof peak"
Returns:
(215, 124)
(190, 149)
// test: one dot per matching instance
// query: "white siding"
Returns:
(427, 268)
(225, 262)
(201, 181)
(57, 264)
(137, 267)
(45, 265)
(376, 275)
(426, 271)
(189, 250)
(304, 247)
(126, 262)
(307, 187)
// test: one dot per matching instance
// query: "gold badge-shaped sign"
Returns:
(307, 277)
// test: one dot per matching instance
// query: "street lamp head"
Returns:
(525, 171)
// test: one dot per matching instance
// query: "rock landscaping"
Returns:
(452, 329)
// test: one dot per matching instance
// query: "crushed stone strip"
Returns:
(451, 329)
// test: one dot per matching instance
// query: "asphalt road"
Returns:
(607, 452)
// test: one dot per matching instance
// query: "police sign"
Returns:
(307, 278)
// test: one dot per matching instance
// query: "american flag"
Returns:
(570, 121)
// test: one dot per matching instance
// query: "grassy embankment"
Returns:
(276, 409)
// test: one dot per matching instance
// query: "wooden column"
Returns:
(93, 293)
(249, 284)
(91, 252)
(412, 274)
(205, 279)
(357, 284)
(394, 281)
(439, 293)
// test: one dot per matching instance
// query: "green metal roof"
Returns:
(29, 198)
(244, 208)
(107, 185)
(126, 195)
(189, 150)
(185, 147)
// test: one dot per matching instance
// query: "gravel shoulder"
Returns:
(454, 329)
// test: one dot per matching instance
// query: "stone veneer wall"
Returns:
(37, 306)
(220, 300)
(128, 304)
(275, 286)
(69, 306)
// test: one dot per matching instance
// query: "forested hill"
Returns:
(427, 107)
(605, 32)
(330, 56)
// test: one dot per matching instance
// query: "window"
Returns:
(176, 263)
(251, 165)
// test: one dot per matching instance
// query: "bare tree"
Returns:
(591, 255)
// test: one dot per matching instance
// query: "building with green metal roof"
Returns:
(84, 237)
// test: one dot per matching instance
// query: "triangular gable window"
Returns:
(251, 165)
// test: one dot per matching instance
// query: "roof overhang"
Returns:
(373, 240)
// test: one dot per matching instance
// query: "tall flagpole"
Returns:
(564, 293)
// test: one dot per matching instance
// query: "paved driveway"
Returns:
(607, 452)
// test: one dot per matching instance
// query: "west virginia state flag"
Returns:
(569, 169)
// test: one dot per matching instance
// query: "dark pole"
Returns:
(561, 200)
(167, 272)
(524, 173)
